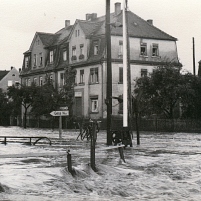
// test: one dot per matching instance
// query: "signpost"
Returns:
(60, 114)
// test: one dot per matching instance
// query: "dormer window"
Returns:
(64, 54)
(155, 51)
(35, 60)
(51, 56)
(26, 62)
(96, 47)
(143, 49)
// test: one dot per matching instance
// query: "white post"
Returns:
(125, 72)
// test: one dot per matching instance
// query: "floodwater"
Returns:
(166, 166)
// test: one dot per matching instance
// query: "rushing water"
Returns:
(166, 166)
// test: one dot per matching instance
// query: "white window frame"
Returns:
(155, 50)
(74, 51)
(40, 81)
(26, 62)
(81, 76)
(10, 83)
(35, 60)
(94, 75)
(61, 79)
(120, 47)
(143, 49)
(64, 55)
(94, 104)
(51, 56)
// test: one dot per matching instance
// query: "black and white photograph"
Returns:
(100, 100)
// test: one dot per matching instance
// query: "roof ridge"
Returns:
(38, 32)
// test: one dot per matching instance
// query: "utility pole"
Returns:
(109, 74)
(193, 56)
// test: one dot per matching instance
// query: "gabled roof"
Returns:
(47, 38)
(3, 73)
(137, 27)
(90, 27)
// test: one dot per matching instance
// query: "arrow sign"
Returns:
(60, 113)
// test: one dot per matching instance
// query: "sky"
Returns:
(21, 19)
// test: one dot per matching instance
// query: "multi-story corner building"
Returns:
(82, 46)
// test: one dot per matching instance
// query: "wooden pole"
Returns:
(93, 142)
(109, 74)
(193, 56)
(60, 127)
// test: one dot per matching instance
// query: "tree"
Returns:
(22, 96)
(191, 96)
(160, 91)
(5, 110)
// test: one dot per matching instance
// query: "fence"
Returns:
(157, 125)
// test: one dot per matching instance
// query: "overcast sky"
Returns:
(20, 19)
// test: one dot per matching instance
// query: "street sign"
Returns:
(60, 113)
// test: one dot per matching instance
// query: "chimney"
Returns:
(150, 21)
(93, 16)
(88, 16)
(67, 23)
(117, 8)
(20, 70)
(11, 67)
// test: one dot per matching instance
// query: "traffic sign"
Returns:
(60, 113)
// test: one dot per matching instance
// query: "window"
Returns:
(121, 75)
(81, 49)
(35, 59)
(96, 47)
(26, 82)
(41, 59)
(29, 82)
(26, 62)
(74, 51)
(120, 108)
(35, 80)
(94, 75)
(120, 48)
(143, 72)
(77, 33)
(94, 104)
(143, 49)
(51, 56)
(155, 50)
(61, 80)
(64, 54)
(40, 81)
(51, 78)
(10, 83)
(81, 76)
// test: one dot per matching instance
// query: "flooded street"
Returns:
(166, 166)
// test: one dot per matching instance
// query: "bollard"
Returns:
(69, 162)
(93, 142)
(121, 153)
